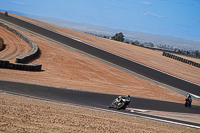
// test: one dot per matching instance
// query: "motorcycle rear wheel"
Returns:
(120, 106)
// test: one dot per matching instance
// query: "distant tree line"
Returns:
(121, 38)
(118, 37)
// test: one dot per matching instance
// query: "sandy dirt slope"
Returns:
(1, 44)
(19, 114)
(142, 55)
(15, 46)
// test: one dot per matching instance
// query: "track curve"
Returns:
(113, 58)
(93, 99)
(96, 100)
(15, 46)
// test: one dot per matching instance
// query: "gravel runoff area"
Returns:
(86, 74)
(20, 114)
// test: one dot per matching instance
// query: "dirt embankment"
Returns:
(1, 44)
(15, 46)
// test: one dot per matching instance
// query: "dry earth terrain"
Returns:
(69, 69)
(15, 46)
(1, 44)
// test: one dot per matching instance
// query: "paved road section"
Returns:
(97, 100)
(93, 99)
(118, 60)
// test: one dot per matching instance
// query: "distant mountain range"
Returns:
(131, 35)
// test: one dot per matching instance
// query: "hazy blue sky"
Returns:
(178, 18)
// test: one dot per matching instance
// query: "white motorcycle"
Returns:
(121, 102)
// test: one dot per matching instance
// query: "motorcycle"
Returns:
(188, 103)
(121, 103)
(6, 13)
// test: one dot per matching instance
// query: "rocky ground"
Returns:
(69, 69)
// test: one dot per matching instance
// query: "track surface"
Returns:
(97, 100)
(118, 60)
(87, 98)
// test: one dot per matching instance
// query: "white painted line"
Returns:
(198, 97)
(76, 39)
(136, 110)
(172, 122)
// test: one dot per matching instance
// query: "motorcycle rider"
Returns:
(6, 13)
(188, 98)
(121, 99)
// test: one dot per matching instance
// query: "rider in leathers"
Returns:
(188, 98)
(121, 98)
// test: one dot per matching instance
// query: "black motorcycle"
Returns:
(120, 103)
(188, 103)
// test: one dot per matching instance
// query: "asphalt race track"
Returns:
(115, 59)
(92, 99)
(100, 100)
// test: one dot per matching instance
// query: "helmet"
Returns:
(128, 96)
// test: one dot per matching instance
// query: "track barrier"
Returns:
(181, 59)
(18, 66)
(2, 45)
(35, 52)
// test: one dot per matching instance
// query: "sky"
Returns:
(177, 18)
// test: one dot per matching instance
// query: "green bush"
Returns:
(118, 37)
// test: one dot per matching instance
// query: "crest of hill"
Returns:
(132, 35)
